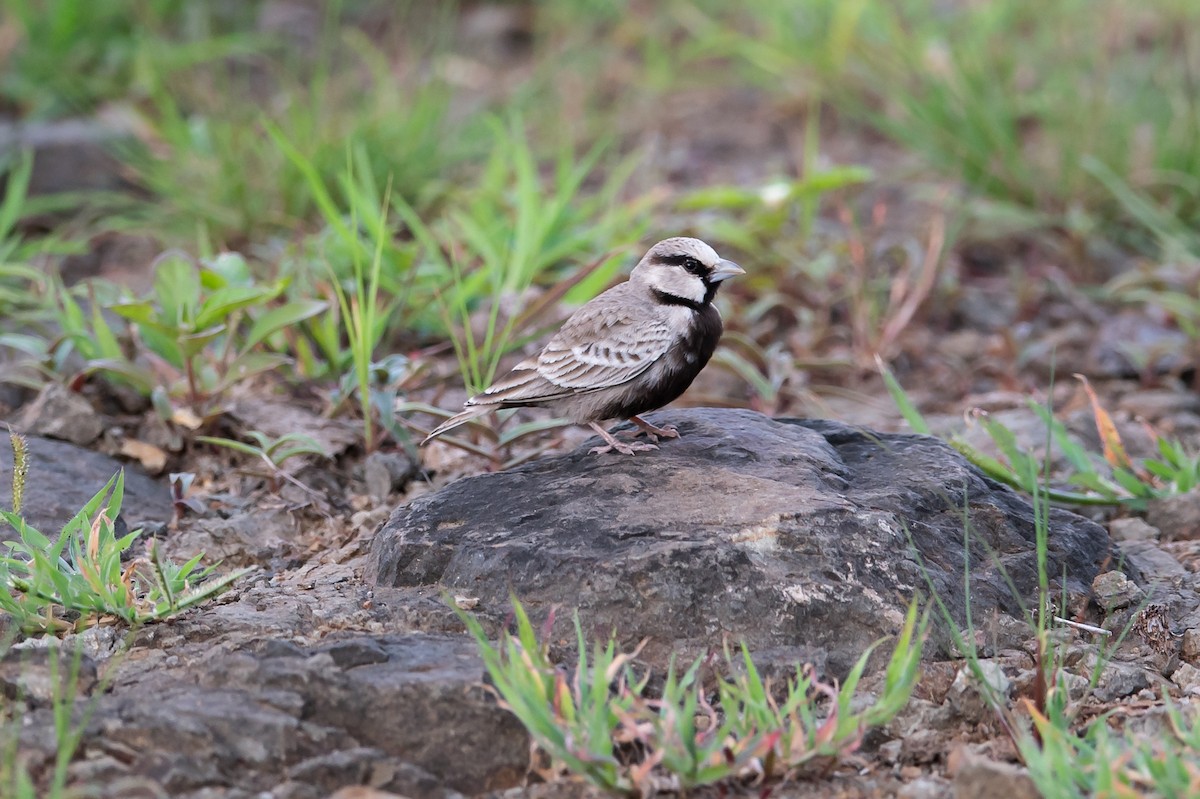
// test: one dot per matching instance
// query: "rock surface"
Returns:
(402, 713)
(63, 477)
(978, 777)
(806, 539)
(69, 154)
(62, 414)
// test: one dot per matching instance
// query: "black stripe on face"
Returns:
(688, 262)
(670, 299)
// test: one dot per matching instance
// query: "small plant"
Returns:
(80, 579)
(762, 220)
(203, 330)
(1112, 478)
(1064, 761)
(25, 290)
(1067, 765)
(273, 452)
(218, 174)
(66, 58)
(17, 204)
(513, 232)
(94, 336)
(1173, 286)
(362, 312)
(600, 722)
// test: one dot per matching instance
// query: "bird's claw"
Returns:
(666, 431)
(623, 447)
(651, 431)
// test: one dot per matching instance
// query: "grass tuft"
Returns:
(600, 721)
(80, 578)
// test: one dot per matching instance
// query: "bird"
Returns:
(629, 350)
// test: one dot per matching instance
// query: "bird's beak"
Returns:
(725, 270)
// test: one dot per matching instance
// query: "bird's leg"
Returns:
(625, 448)
(651, 431)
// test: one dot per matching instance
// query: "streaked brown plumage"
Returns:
(632, 349)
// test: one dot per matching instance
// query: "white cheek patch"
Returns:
(677, 283)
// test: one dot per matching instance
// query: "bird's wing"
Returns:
(604, 349)
(601, 346)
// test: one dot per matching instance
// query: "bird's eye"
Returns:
(693, 266)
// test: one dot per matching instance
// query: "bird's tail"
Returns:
(470, 413)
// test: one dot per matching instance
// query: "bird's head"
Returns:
(684, 270)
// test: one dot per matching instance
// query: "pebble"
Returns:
(1132, 528)
(1187, 678)
(1177, 516)
(1114, 590)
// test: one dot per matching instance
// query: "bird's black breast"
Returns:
(680, 365)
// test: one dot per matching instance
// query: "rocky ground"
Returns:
(339, 662)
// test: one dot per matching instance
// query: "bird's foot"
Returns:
(623, 447)
(651, 432)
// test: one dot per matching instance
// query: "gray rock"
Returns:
(385, 472)
(1159, 403)
(1115, 591)
(365, 792)
(1177, 516)
(987, 310)
(782, 533)
(69, 154)
(61, 413)
(992, 674)
(28, 674)
(417, 720)
(925, 788)
(362, 766)
(1160, 722)
(1134, 343)
(1190, 646)
(1132, 528)
(413, 782)
(12, 396)
(1160, 576)
(63, 477)
(1001, 632)
(242, 539)
(971, 700)
(1119, 680)
(1187, 678)
(979, 777)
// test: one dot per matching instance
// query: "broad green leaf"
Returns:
(143, 313)
(37, 346)
(217, 307)
(177, 289)
(106, 341)
(247, 365)
(140, 378)
(279, 318)
(193, 344)
(226, 269)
